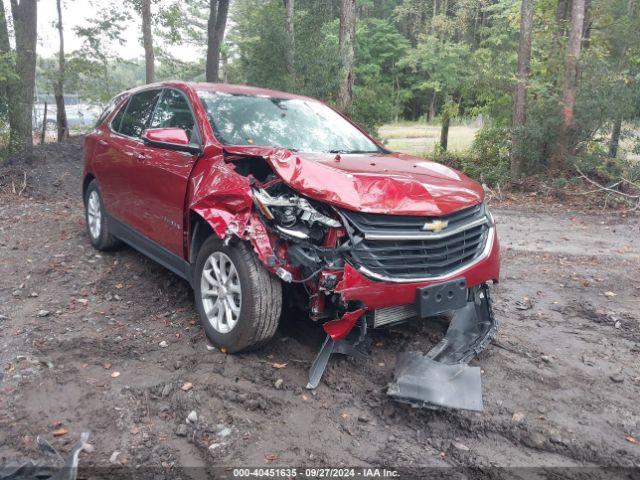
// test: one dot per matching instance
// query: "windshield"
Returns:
(294, 124)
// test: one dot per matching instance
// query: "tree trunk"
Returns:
(570, 86)
(444, 132)
(20, 95)
(43, 132)
(291, 42)
(147, 41)
(520, 99)
(562, 12)
(432, 106)
(615, 137)
(586, 27)
(58, 87)
(215, 35)
(347, 53)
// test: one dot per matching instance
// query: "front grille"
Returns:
(398, 247)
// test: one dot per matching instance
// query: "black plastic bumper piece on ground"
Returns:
(441, 377)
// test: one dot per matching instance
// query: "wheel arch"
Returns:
(88, 178)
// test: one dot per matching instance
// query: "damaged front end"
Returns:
(355, 271)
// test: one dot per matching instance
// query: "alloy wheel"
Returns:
(94, 215)
(221, 292)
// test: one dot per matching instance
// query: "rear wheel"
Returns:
(96, 219)
(238, 300)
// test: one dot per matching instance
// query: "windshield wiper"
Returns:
(354, 151)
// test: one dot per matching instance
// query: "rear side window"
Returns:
(138, 111)
(117, 120)
(173, 111)
(109, 108)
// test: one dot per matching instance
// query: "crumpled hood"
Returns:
(392, 183)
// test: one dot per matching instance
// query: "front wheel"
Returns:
(238, 300)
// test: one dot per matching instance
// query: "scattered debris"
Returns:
(518, 417)
(192, 417)
(279, 365)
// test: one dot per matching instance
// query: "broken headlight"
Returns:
(293, 215)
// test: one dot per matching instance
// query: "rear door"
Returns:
(126, 149)
(162, 175)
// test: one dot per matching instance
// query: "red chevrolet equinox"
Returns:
(254, 196)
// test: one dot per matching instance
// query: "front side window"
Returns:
(138, 112)
(173, 111)
(108, 109)
(294, 124)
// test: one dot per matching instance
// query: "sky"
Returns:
(77, 13)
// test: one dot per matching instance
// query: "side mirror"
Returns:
(170, 139)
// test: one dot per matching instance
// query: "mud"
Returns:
(561, 382)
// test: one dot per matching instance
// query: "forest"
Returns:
(554, 83)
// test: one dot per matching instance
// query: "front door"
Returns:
(162, 176)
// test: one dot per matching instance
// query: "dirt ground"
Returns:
(81, 350)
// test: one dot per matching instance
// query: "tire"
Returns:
(259, 299)
(96, 220)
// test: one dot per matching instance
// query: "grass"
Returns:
(419, 139)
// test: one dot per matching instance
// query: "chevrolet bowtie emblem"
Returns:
(435, 226)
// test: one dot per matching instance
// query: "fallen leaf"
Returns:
(60, 432)
(115, 374)
(187, 386)
(279, 365)
(631, 439)
(271, 457)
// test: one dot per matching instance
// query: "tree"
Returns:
(58, 86)
(147, 40)
(570, 86)
(20, 83)
(291, 42)
(520, 99)
(347, 53)
(216, 26)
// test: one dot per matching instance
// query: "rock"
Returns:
(617, 377)
(182, 430)
(278, 384)
(33, 294)
(82, 301)
(3, 318)
(225, 432)
(210, 348)
(16, 293)
(163, 344)
(546, 359)
(166, 390)
(43, 313)
(114, 457)
(363, 419)
(192, 417)
(534, 440)
(460, 446)
(518, 417)
(617, 324)
(542, 409)
(89, 448)
(215, 447)
(187, 386)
